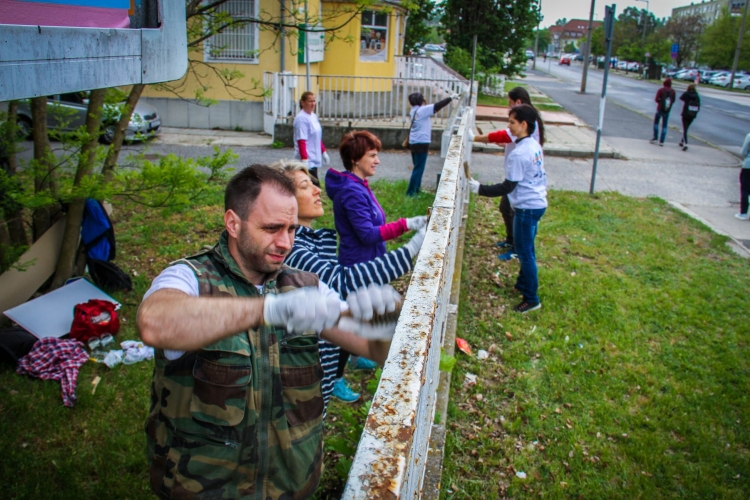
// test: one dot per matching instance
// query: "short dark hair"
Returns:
(416, 99)
(354, 145)
(527, 113)
(244, 188)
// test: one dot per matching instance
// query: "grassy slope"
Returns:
(97, 448)
(632, 380)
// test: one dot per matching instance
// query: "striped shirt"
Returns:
(315, 251)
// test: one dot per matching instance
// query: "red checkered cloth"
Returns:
(56, 359)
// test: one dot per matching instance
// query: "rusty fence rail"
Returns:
(392, 453)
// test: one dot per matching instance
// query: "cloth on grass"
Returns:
(56, 359)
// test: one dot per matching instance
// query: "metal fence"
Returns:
(392, 453)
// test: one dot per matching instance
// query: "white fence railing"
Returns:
(351, 98)
(392, 453)
(425, 68)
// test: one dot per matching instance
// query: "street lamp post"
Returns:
(645, 26)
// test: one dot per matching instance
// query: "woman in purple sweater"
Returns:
(360, 220)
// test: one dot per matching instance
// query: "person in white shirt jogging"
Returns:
(526, 186)
(308, 136)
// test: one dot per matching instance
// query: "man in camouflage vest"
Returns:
(236, 404)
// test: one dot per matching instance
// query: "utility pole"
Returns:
(473, 66)
(739, 46)
(587, 52)
(536, 41)
(609, 29)
(307, 51)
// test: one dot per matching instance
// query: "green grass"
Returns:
(631, 381)
(97, 448)
(540, 103)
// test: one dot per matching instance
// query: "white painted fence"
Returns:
(392, 453)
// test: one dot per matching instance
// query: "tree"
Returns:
(502, 28)
(545, 38)
(719, 41)
(417, 28)
(569, 48)
(686, 32)
(561, 22)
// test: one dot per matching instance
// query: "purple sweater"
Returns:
(359, 218)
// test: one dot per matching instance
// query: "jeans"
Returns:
(525, 225)
(664, 116)
(415, 183)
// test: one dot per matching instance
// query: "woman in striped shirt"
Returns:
(315, 251)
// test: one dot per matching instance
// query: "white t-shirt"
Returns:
(421, 129)
(307, 128)
(182, 277)
(525, 165)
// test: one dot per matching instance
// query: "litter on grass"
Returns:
(482, 354)
(521, 475)
(470, 379)
(463, 345)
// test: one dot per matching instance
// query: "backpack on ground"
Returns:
(98, 236)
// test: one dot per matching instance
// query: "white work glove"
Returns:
(368, 331)
(306, 163)
(375, 299)
(301, 310)
(415, 243)
(474, 186)
(413, 223)
(326, 158)
(470, 134)
(456, 97)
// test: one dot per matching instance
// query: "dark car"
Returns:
(67, 112)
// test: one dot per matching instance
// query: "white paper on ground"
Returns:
(51, 315)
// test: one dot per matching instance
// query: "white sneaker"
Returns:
(741, 216)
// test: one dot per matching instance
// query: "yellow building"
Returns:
(350, 43)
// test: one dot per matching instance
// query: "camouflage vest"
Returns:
(242, 417)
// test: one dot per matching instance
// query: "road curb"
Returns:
(550, 152)
(737, 246)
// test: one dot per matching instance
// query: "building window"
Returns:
(373, 38)
(238, 43)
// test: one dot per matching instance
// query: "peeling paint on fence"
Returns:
(392, 452)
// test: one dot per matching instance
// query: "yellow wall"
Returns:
(341, 56)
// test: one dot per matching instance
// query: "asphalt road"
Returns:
(724, 119)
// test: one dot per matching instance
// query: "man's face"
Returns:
(263, 240)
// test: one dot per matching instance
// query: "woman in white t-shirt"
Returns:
(420, 136)
(308, 136)
(526, 186)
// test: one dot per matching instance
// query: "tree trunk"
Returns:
(72, 234)
(14, 215)
(114, 150)
(43, 171)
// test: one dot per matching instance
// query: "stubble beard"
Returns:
(253, 256)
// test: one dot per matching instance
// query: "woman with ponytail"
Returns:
(526, 187)
(516, 97)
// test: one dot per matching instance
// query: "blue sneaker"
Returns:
(362, 364)
(504, 244)
(507, 256)
(342, 391)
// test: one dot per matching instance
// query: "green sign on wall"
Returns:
(316, 50)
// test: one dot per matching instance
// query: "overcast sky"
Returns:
(552, 10)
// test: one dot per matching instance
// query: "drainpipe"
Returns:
(282, 62)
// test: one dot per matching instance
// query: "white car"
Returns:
(741, 82)
(622, 65)
(721, 79)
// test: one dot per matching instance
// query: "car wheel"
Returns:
(747, 87)
(108, 135)
(25, 128)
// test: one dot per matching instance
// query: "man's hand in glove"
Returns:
(302, 309)
(474, 186)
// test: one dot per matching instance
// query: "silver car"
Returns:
(66, 112)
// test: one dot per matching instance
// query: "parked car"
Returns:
(671, 72)
(633, 66)
(741, 82)
(433, 47)
(688, 75)
(578, 57)
(565, 59)
(706, 74)
(66, 112)
(623, 65)
(529, 55)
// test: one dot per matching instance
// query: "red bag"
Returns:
(94, 319)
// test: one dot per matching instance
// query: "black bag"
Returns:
(666, 101)
(15, 343)
(692, 107)
(108, 276)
